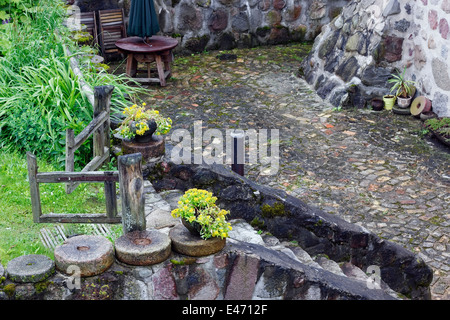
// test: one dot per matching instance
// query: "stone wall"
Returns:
(226, 24)
(241, 271)
(355, 54)
(316, 232)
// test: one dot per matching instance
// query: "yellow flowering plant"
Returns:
(198, 207)
(137, 120)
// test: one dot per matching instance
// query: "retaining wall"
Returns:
(225, 24)
(315, 231)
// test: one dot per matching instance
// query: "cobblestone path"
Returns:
(375, 169)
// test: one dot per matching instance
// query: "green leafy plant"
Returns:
(199, 207)
(16, 8)
(439, 126)
(402, 87)
(136, 121)
(40, 96)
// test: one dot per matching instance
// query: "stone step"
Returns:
(158, 212)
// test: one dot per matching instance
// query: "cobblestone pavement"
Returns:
(376, 169)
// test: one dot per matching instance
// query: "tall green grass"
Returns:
(40, 96)
(19, 235)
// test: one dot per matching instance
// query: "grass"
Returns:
(19, 235)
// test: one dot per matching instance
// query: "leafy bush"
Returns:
(40, 96)
(9, 8)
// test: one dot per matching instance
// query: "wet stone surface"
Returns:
(375, 169)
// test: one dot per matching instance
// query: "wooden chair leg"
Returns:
(160, 68)
(131, 65)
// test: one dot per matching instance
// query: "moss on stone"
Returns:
(276, 210)
(256, 223)
(42, 286)
(9, 289)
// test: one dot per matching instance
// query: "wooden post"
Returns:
(102, 102)
(131, 186)
(238, 151)
(70, 157)
(34, 187)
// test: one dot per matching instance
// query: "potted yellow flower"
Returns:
(141, 123)
(201, 216)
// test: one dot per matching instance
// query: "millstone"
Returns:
(30, 268)
(91, 254)
(140, 248)
(186, 243)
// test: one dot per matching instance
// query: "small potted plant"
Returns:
(201, 216)
(404, 89)
(389, 101)
(140, 124)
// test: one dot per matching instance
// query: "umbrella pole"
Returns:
(146, 39)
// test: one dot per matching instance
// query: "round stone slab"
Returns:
(141, 248)
(30, 268)
(149, 150)
(185, 243)
(91, 254)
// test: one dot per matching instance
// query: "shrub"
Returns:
(40, 96)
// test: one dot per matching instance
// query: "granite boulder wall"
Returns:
(358, 51)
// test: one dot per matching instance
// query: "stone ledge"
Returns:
(317, 232)
(241, 271)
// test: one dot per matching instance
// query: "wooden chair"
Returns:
(89, 20)
(112, 28)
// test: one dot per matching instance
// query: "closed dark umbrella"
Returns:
(142, 20)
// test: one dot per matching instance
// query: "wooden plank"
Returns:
(145, 80)
(90, 128)
(34, 187)
(94, 164)
(101, 136)
(70, 157)
(85, 88)
(78, 218)
(90, 176)
(131, 184)
(110, 199)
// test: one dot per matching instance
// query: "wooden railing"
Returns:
(109, 178)
(99, 127)
(131, 186)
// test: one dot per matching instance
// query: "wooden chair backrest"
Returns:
(89, 20)
(112, 28)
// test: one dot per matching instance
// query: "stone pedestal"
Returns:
(152, 152)
(149, 150)
(185, 243)
(91, 254)
(30, 268)
(141, 248)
